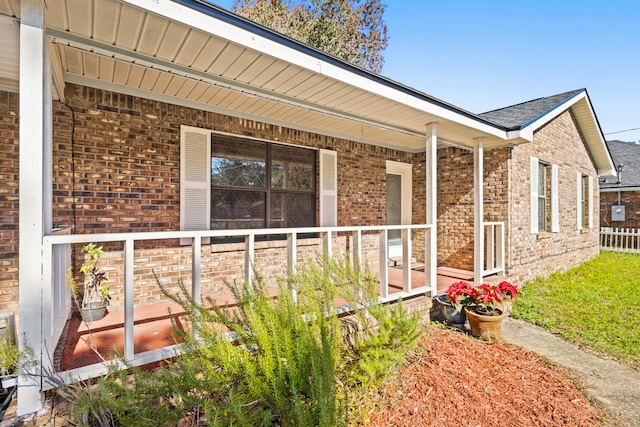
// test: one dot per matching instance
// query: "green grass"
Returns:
(596, 305)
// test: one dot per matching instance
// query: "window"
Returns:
(230, 182)
(257, 184)
(544, 197)
(584, 201)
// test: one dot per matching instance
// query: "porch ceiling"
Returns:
(171, 52)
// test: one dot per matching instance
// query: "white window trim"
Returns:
(579, 201)
(328, 192)
(534, 195)
(555, 206)
(200, 218)
(195, 182)
(554, 202)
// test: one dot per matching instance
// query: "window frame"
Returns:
(267, 191)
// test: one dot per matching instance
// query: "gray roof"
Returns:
(626, 156)
(521, 115)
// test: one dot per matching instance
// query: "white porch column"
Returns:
(478, 217)
(34, 324)
(431, 244)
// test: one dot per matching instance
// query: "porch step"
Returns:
(456, 273)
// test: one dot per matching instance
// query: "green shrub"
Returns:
(264, 361)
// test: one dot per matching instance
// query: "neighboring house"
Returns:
(620, 195)
(194, 144)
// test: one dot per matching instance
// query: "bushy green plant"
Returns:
(264, 360)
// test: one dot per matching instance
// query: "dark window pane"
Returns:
(238, 163)
(292, 168)
(231, 209)
(292, 210)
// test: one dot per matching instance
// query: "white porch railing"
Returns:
(493, 248)
(620, 240)
(54, 244)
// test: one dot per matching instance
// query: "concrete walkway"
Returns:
(614, 385)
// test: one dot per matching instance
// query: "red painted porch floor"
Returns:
(153, 326)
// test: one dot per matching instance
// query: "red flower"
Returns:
(508, 289)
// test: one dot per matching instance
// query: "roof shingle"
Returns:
(520, 115)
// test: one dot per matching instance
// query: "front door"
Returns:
(394, 214)
(398, 204)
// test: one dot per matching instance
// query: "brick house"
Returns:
(620, 195)
(194, 144)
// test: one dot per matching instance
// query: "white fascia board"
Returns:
(526, 134)
(543, 120)
(607, 173)
(600, 145)
(250, 40)
(616, 189)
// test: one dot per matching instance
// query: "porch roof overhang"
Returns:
(192, 53)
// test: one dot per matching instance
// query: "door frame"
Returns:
(406, 182)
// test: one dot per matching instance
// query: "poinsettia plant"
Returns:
(460, 294)
(482, 298)
(508, 289)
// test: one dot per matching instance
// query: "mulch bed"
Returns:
(460, 381)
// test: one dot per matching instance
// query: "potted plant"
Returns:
(485, 319)
(451, 304)
(509, 292)
(480, 304)
(95, 297)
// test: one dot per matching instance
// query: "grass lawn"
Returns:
(596, 304)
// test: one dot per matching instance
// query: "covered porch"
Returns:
(257, 79)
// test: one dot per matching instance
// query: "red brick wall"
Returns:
(456, 201)
(631, 202)
(126, 155)
(9, 181)
(560, 143)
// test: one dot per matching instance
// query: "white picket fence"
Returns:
(620, 240)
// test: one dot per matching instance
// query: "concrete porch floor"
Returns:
(153, 326)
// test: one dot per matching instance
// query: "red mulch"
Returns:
(460, 381)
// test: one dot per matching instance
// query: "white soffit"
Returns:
(9, 52)
(159, 49)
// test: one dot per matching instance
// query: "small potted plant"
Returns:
(509, 293)
(95, 297)
(451, 304)
(485, 318)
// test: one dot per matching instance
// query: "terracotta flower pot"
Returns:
(485, 327)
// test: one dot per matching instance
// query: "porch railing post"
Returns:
(128, 299)
(357, 251)
(249, 255)
(292, 256)
(327, 244)
(384, 267)
(406, 259)
(195, 268)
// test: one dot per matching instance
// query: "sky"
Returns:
(484, 55)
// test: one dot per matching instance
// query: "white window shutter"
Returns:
(195, 180)
(579, 195)
(590, 201)
(328, 188)
(555, 208)
(534, 195)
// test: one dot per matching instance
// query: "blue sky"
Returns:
(483, 55)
